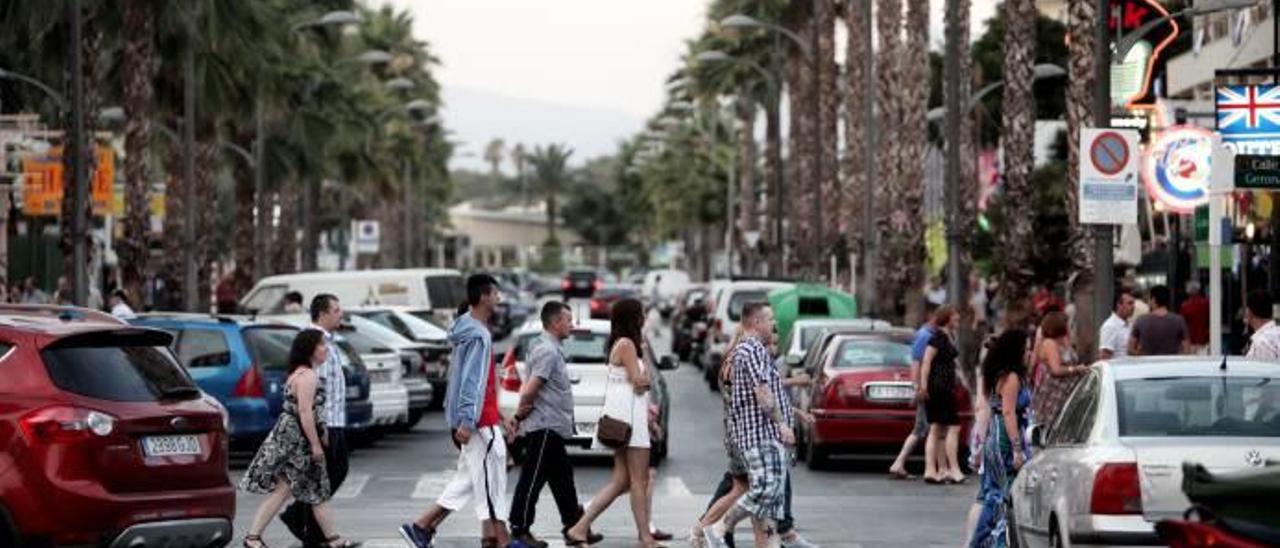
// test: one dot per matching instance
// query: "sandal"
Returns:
(253, 538)
(332, 542)
(570, 540)
(900, 475)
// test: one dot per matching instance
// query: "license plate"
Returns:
(890, 392)
(380, 377)
(167, 446)
(586, 429)
(581, 284)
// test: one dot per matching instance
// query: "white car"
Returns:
(1110, 468)
(410, 324)
(727, 300)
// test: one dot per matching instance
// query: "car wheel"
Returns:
(1012, 538)
(816, 455)
(415, 416)
(1055, 535)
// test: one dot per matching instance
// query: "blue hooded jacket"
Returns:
(468, 372)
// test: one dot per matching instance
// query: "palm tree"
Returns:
(139, 61)
(803, 144)
(915, 104)
(1081, 18)
(518, 157)
(888, 185)
(494, 153)
(551, 169)
(857, 132)
(1018, 135)
(827, 126)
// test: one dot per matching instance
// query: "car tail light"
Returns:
(597, 285)
(597, 305)
(250, 384)
(565, 284)
(61, 424)
(510, 377)
(1116, 490)
(1194, 534)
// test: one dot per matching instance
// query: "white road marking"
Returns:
(674, 486)
(352, 488)
(431, 485)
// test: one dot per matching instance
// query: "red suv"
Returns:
(106, 439)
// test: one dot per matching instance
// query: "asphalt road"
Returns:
(853, 505)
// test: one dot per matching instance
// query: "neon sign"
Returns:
(1176, 168)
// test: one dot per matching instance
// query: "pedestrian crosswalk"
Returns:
(429, 485)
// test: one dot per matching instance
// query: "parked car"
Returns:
(1110, 467)
(726, 313)
(861, 397)
(689, 322)
(437, 290)
(601, 305)
(106, 440)
(243, 363)
(581, 284)
(588, 371)
(435, 358)
(805, 332)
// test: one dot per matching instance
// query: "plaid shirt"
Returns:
(750, 424)
(335, 384)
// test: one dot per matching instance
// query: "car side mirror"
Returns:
(668, 363)
(794, 360)
(1037, 436)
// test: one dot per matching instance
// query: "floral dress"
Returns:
(1051, 392)
(286, 454)
(998, 472)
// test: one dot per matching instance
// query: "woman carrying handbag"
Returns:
(623, 425)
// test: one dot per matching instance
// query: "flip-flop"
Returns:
(934, 481)
(903, 475)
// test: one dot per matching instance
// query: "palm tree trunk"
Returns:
(285, 240)
(888, 187)
(803, 182)
(206, 213)
(90, 50)
(551, 216)
(1081, 18)
(174, 213)
(1018, 238)
(827, 127)
(139, 60)
(914, 135)
(746, 167)
(857, 133)
(967, 194)
(242, 242)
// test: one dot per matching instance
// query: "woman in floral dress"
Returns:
(1056, 371)
(1003, 451)
(291, 460)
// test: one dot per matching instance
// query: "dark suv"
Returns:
(106, 440)
(581, 284)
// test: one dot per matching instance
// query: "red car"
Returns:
(106, 439)
(604, 299)
(861, 396)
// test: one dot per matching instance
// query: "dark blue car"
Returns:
(243, 364)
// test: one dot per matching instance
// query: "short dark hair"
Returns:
(321, 304)
(1160, 296)
(120, 294)
(751, 309)
(1120, 293)
(1259, 303)
(477, 286)
(551, 311)
(303, 347)
(293, 297)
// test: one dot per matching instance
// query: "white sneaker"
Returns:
(696, 537)
(796, 541)
(714, 535)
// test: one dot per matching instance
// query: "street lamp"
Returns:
(57, 98)
(333, 18)
(1042, 71)
(743, 21)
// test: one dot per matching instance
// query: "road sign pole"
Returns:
(1104, 264)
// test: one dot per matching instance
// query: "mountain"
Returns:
(475, 116)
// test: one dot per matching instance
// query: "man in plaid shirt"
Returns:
(760, 419)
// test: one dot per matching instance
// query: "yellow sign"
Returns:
(42, 189)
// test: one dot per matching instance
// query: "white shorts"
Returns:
(482, 474)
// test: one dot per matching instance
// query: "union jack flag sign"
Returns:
(1249, 112)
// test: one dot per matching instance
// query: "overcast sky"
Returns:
(585, 72)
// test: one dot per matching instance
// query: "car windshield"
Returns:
(118, 366)
(523, 343)
(364, 344)
(386, 336)
(854, 354)
(741, 298)
(1199, 406)
(266, 300)
(586, 347)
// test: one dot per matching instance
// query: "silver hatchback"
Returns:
(1110, 468)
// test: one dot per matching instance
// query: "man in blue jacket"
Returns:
(471, 411)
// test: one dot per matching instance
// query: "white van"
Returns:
(434, 291)
(667, 284)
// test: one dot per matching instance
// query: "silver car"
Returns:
(1110, 468)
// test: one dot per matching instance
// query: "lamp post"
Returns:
(741, 21)
(709, 137)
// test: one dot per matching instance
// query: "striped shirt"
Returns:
(335, 384)
(750, 423)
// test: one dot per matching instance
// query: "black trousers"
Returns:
(298, 517)
(545, 461)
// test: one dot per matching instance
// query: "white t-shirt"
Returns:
(1265, 343)
(1114, 336)
(123, 312)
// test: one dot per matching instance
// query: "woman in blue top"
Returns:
(1003, 453)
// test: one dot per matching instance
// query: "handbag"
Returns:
(613, 433)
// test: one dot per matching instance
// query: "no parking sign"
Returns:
(1108, 176)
